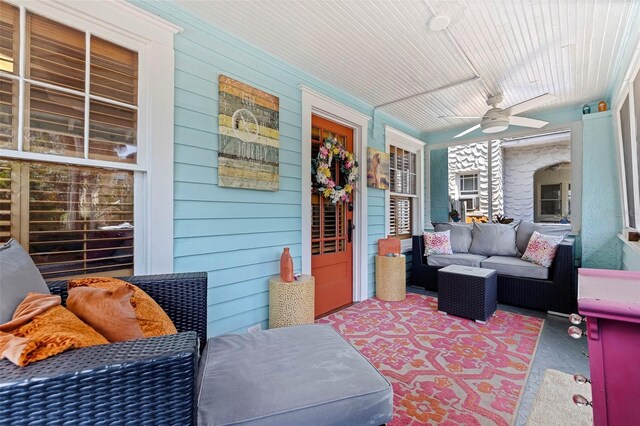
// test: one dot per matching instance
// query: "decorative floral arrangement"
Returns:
(329, 188)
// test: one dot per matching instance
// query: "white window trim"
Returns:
(408, 143)
(152, 37)
(314, 103)
(575, 131)
(628, 90)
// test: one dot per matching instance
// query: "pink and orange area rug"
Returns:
(444, 370)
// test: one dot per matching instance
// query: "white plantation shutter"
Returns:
(72, 219)
(400, 216)
(403, 191)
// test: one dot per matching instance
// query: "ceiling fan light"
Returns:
(494, 126)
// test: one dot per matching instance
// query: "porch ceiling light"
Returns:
(494, 121)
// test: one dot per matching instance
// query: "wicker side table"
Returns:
(391, 278)
(468, 292)
(291, 303)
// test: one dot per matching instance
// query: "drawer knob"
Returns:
(581, 401)
(575, 319)
(575, 332)
(581, 379)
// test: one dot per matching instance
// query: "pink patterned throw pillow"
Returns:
(437, 243)
(541, 249)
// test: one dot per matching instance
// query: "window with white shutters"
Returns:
(69, 118)
(403, 174)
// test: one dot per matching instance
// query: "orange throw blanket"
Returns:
(41, 328)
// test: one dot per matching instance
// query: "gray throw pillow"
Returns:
(18, 277)
(493, 239)
(460, 235)
(526, 230)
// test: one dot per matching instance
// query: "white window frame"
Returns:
(128, 26)
(575, 131)
(627, 89)
(408, 143)
(475, 195)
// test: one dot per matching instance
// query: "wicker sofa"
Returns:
(147, 381)
(556, 294)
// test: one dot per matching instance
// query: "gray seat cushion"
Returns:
(304, 375)
(526, 229)
(462, 259)
(494, 239)
(460, 234)
(18, 277)
(514, 266)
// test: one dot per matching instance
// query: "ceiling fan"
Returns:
(497, 119)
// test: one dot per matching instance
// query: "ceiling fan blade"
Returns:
(469, 130)
(529, 104)
(527, 122)
(459, 116)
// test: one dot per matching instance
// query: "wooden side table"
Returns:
(391, 278)
(291, 303)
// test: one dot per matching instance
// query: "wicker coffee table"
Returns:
(468, 292)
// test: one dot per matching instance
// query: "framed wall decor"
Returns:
(249, 149)
(377, 169)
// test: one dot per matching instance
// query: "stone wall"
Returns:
(520, 164)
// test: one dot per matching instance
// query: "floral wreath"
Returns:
(348, 169)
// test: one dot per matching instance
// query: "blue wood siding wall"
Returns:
(439, 163)
(601, 220)
(237, 235)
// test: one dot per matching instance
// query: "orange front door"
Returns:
(331, 246)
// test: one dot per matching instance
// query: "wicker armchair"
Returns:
(143, 382)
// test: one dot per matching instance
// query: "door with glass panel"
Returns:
(331, 229)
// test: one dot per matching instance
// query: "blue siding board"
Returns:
(232, 307)
(249, 272)
(221, 243)
(184, 172)
(203, 192)
(199, 227)
(230, 259)
(187, 82)
(243, 319)
(237, 235)
(225, 293)
(213, 209)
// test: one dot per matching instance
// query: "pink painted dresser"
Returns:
(611, 302)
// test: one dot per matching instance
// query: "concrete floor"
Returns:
(556, 350)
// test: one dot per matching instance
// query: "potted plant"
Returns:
(454, 215)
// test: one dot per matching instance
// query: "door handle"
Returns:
(350, 228)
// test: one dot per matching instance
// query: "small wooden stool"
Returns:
(291, 303)
(391, 278)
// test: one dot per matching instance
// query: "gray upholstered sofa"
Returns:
(520, 283)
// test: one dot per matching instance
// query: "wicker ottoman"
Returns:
(468, 292)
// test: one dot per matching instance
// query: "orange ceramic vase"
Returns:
(286, 266)
(602, 106)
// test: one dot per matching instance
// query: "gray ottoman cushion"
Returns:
(516, 267)
(18, 277)
(304, 375)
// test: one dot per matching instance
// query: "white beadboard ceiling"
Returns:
(382, 50)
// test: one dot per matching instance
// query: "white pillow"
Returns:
(542, 249)
(437, 243)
